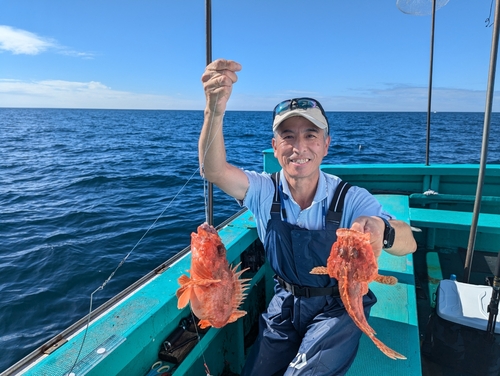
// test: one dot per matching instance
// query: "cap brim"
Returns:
(314, 115)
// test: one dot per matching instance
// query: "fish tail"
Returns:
(386, 349)
(353, 304)
(363, 325)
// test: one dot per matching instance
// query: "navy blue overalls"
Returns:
(306, 330)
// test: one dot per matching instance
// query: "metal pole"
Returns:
(429, 95)
(484, 147)
(208, 17)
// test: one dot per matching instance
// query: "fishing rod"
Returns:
(420, 8)
(208, 21)
(429, 95)
(208, 6)
(484, 145)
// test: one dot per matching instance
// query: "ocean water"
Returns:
(80, 188)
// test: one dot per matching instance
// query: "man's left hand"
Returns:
(375, 226)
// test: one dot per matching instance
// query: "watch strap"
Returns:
(389, 234)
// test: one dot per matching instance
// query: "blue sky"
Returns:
(352, 55)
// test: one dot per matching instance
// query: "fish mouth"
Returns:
(210, 229)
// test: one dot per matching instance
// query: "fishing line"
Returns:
(208, 144)
(101, 287)
(488, 20)
(199, 339)
(121, 263)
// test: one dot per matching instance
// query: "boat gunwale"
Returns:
(31, 359)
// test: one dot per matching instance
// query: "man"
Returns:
(306, 330)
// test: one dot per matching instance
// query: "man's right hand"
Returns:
(218, 80)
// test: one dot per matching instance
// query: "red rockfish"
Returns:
(214, 289)
(353, 264)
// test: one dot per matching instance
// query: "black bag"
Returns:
(467, 350)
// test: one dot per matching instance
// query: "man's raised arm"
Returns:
(218, 80)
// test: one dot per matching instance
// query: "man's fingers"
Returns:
(223, 64)
(358, 227)
(220, 76)
(224, 68)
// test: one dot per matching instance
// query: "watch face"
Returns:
(389, 237)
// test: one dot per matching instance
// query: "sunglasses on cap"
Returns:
(303, 103)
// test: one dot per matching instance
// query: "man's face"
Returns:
(300, 147)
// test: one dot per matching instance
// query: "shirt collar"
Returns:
(321, 191)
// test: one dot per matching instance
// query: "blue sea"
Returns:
(80, 188)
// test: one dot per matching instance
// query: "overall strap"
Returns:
(276, 207)
(336, 208)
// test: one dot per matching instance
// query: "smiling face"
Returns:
(300, 147)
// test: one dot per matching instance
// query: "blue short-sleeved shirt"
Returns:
(259, 198)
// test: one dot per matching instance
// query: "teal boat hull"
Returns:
(126, 334)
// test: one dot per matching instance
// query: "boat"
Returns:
(125, 335)
(142, 332)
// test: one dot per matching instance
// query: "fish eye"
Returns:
(221, 250)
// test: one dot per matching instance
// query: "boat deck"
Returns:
(394, 317)
(131, 327)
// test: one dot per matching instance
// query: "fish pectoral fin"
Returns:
(184, 298)
(205, 282)
(201, 271)
(386, 280)
(184, 280)
(319, 270)
(204, 324)
(185, 283)
(184, 292)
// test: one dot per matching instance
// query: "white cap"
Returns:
(313, 114)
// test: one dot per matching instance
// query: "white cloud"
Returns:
(93, 94)
(410, 98)
(391, 97)
(22, 42)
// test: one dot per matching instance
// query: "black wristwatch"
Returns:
(389, 234)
